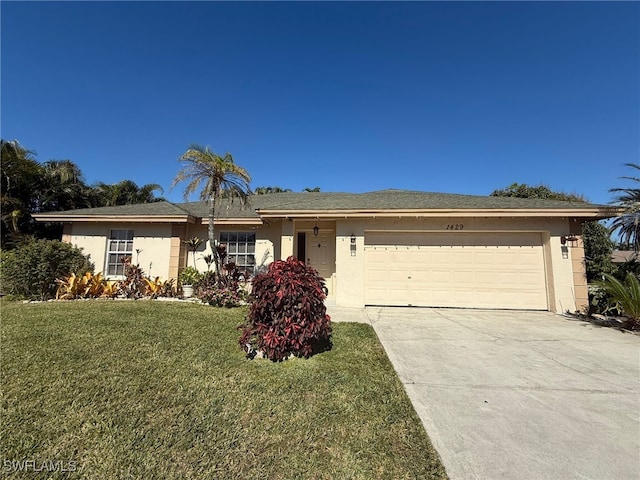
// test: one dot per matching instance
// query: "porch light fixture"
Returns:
(316, 230)
(568, 238)
(353, 245)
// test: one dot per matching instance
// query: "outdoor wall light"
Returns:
(315, 230)
(353, 245)
(568, 238)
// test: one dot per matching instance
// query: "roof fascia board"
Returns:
(44, 217)
(234, 221)
(595, 213)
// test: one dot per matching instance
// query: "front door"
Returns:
(321, 255)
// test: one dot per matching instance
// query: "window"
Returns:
(120, 245)
(241, 249)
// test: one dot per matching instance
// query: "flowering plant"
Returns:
(222, 296)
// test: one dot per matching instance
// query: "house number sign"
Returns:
(455, 226)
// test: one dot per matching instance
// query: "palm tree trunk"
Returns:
(212, 233)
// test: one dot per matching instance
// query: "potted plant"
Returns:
(188, 277)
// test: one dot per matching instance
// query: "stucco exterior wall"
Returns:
(153, 241)
(163, 253)
(267, 242)
(579, 267)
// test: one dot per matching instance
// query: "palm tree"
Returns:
(20, 177)
(628, 224)
(65, 171)
(126, 192)
(63, 186)
(129, 193)
(221, 177)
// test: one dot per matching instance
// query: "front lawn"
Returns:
(161, 390)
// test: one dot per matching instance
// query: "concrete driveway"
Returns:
(515, 394)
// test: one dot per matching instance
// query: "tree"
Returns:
(126, 192)
(220, 176)
(27, 186)
(62, 187)
(522, 190)
(628, 224)
(313, 190)
(598, 247)
(266, 190)
(19, 179)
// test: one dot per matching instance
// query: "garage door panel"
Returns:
(481, 270)
(463, 277)
(462, 257)
(421, 276)
(440, 275)
(441, 257)
(484, 258)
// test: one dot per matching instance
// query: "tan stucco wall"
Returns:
(66, 232)
(162, 247)
(177, 257)
(286, 239)
(153, 240)
(267, 242)
(579, 267)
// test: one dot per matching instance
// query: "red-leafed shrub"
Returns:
(287, 313)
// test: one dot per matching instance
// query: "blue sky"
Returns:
(437, 96)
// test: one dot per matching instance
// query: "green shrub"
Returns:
(625, 295)
(189, 276)
(31, 269)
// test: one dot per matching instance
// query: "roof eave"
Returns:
(587, 213)
(66, 218)
(234, 221)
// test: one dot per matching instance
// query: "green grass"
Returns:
(162, 390)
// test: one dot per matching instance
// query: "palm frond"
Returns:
(626, 294)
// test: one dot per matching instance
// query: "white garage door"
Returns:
(474, 270)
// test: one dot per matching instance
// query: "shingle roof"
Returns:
(402, 200)
(152, 209)
(224, 209)
(329, 201)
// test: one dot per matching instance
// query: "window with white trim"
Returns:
(241, 249)
(119, 246)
